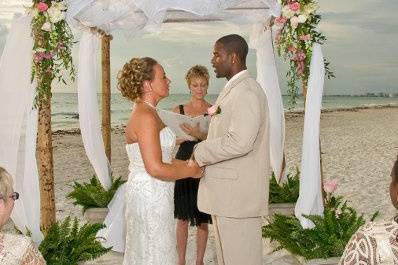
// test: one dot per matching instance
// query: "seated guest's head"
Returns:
(197, 79)
(142, 78)
(7, 196)
(394, 184)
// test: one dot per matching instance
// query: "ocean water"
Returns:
(65, 108)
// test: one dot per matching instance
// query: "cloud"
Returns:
(194, 33)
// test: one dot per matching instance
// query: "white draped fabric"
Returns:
(140, 15)
(310, 198)
(267, 76)
(18, 123)
(87, 86)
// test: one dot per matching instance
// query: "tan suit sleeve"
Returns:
(238, 139)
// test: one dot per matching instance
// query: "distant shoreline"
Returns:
(288, 114)
(366, 95)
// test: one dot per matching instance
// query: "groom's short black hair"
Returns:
(235, 43)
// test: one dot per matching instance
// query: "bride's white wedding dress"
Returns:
(148, 212)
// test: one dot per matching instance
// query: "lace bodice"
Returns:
(18, 250)
(167, 142)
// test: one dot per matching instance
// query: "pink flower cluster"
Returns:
(40, 56)
(299, 57)
(329, 186)
(41, 6)
(294, 6)
(305, 37)
(280, 21)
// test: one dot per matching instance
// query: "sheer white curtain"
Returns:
(310, 198)
(137, 15)
(18, 123)
(87, 87)
(267, 76)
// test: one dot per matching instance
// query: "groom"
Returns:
(234, 189)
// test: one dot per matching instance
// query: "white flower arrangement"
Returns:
(296, 33)
(53, 41)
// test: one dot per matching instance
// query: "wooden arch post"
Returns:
(106, 89)
(305, 88)
(106, 93)
(45, 164)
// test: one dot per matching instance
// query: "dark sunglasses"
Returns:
(14, 196)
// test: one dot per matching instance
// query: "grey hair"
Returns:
(5, 184)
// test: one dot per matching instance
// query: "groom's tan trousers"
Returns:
(238, 240)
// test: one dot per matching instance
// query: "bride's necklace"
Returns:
(148, 104)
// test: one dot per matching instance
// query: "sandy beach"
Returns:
(358, 149)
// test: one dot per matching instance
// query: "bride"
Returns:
(149, 190)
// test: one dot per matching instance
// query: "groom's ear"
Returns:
(235, 58)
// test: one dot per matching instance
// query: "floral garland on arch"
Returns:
(296, 34)
(52, 49)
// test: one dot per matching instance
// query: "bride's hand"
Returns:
(197, 171)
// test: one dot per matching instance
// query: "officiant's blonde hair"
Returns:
(5, 184)
(195, 72)
(132, 76)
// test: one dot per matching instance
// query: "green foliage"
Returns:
(294, 42)
(67, 244)
(52, 46)
(92, 194)
(327, 239)
(288, 192)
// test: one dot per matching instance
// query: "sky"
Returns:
(362, 39)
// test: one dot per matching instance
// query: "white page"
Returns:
(173, 121)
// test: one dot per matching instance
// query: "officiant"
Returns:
(186, 190)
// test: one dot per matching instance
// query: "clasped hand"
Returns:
(199, 170)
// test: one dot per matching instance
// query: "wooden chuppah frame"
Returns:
(44, 138)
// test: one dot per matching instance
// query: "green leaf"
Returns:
(68, 244)
(92, 194)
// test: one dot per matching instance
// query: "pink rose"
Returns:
(213, 110)
(37, 57)
(280, 21)
(47, 55)
(295, 6)
(306, 37)
(41, 6)
(329, 186)
(299, 56)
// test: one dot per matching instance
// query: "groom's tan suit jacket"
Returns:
(236, 153)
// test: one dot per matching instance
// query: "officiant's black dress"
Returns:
(186, 190)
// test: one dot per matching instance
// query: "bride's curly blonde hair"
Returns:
(132, 76)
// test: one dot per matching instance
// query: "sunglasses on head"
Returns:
(14, 196)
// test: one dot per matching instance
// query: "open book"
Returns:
(173, 121)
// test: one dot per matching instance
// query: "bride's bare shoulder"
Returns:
(142, 118)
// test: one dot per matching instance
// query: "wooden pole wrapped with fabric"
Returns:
(45, 164)
(305, 87)
(106, 93)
